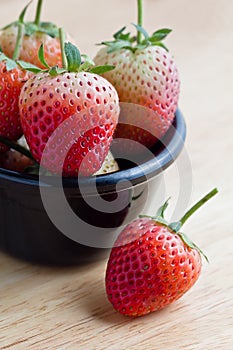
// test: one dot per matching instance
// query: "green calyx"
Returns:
(37, 26)
(44, 27)
(142, 40)
(72, 61)
(10, 64)
(176, 226)
(124, 40)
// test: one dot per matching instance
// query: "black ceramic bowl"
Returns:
(27, 230)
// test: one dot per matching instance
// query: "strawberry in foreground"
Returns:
(69, 114)
(145, 75)
(36, 33)
(12, 78)
(152, 264)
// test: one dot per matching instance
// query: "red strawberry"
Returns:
(36, 33)
(145, 75)
(18, 157)
(12, 78)
(152, 264)
(15, 161)
(78, 107)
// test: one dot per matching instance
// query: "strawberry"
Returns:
(36, 33)
(15, 161)
(77, 106)
(18, 157)
(109, 165)
(12, 78)
(152, 264)
(145, 75)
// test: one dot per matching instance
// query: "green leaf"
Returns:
(128, 42)
(22, 14)
(102, 69)
(12, 24)
(54, 71)
(125, 37)
(107, 43)
(86, 66)
(49, 28)
(118, 45)
(29, 67)
(88, 59)
(3, 57)
(161, 210)
(118, 33)
(160, 34)
(141, 30)
(175, 226)
(73, 57)
(141, 46)
(158, 43)
(20, 20)
(156, 219)
(44, 27)
(41, 56)
(191, 244)
(10, 64)
(30, 28)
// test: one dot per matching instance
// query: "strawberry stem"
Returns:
(198, 205)
(38, 12)
(176, 226)
(62, 44)
(18, 41)
(16, 147)
(140, 20)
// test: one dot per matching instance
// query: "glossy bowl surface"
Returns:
(27, 231)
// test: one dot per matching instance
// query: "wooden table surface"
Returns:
(66, 308)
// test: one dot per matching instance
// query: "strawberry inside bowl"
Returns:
(67, 221)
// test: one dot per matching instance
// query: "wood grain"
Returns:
(66, 308)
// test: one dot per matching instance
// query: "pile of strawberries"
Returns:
(68, 109)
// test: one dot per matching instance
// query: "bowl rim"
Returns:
(107, 182)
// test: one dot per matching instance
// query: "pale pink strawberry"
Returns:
(146, 75)
(35, 34)
(30, 46)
